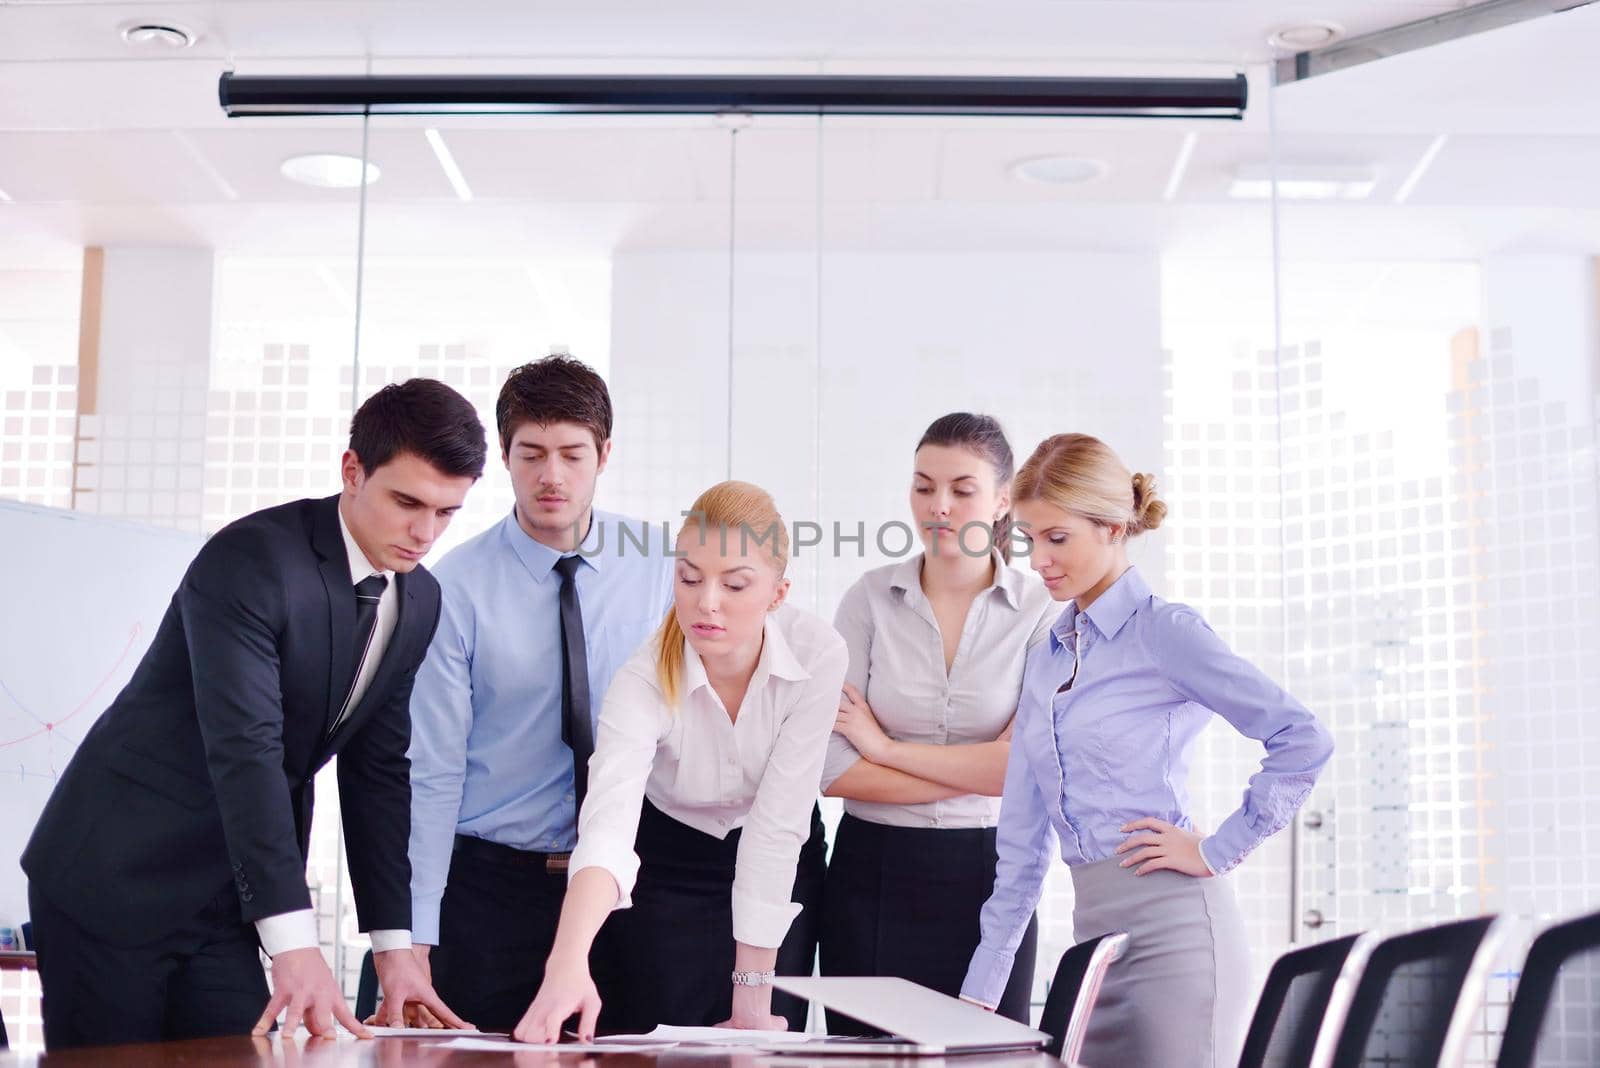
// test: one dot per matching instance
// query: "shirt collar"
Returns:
(777, 659)
(907, 576)
(1110, 610)
(360, 566)
(540, 559)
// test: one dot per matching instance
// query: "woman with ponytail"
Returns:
(1112, 702)
(937, 644)
(702, 792)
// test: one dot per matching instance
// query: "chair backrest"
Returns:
(1555, 1015)
(367, 988)
(1073, 992)
(1416, 998)
(1305, 998)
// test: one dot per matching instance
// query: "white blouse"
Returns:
(760, 770)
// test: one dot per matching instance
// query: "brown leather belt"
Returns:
(495, 853)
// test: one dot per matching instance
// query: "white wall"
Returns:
(1046, 343)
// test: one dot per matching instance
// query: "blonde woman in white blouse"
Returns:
(702, 792)
(937, 645)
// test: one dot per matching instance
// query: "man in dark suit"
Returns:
(175, 842)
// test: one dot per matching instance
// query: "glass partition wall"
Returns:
(791, 300)
(1436, 384)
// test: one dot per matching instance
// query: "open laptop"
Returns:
(917, 1020)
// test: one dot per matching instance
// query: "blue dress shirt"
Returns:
(1146, 676)
(487, 759)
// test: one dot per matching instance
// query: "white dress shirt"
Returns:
(759, 770)
(298, 929)
(897, 662)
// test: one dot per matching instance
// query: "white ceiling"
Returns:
(100, 147)
(737, 31)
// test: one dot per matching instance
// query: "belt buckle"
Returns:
(556, 863)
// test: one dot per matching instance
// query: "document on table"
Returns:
(401, 1032)
(427, 1032)
(663, 1037)
(505, 1045)
(716, 1036)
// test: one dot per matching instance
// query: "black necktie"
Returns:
(576, 729)
(369, 591)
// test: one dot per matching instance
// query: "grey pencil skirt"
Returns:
(1179, 997)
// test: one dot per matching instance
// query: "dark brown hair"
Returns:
(422, 416)
(556, 389)
(980, 434)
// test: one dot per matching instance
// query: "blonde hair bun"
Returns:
(1148, 507)
(1080, 474)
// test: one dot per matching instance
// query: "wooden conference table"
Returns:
(426, 1053)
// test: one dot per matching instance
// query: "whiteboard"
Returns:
(82, 598)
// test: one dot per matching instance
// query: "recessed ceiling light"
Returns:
(329, 170)
(1059, 170)
(158, 36)
(1305, 37)
(1303, 181)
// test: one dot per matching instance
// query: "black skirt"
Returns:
(668, 958)
(904, 901)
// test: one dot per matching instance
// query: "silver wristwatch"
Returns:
(752, 978)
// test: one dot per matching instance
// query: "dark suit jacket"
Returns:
(200, 772)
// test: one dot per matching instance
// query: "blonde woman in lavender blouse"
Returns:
(1111, 704)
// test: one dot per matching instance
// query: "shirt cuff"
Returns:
(987, 976)
(761, 923)
(1212, 868)
(387, 941)
(621, 864)
(425, 919)
(287, 930)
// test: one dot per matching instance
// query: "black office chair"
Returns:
(367, 989)
(1305, 998)
(1414, 1004)
(1073, 992)
(1555, 1015)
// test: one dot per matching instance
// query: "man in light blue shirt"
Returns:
(538, 613)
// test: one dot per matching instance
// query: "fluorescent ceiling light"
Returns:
(447, 162)
(1402, 194)
(1180, 166)
(1303, 181)
(1059, 170)
(329, 170)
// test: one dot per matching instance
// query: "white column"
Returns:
(145, 364)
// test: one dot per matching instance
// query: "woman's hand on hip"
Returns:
(1156, 845)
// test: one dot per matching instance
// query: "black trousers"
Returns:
(904, 902)
(203, 980)
(667, 959)
(497, 923)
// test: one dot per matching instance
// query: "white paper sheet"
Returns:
(505, 1045)
(425, 1032)
(397, 1032)
(715, 1036)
